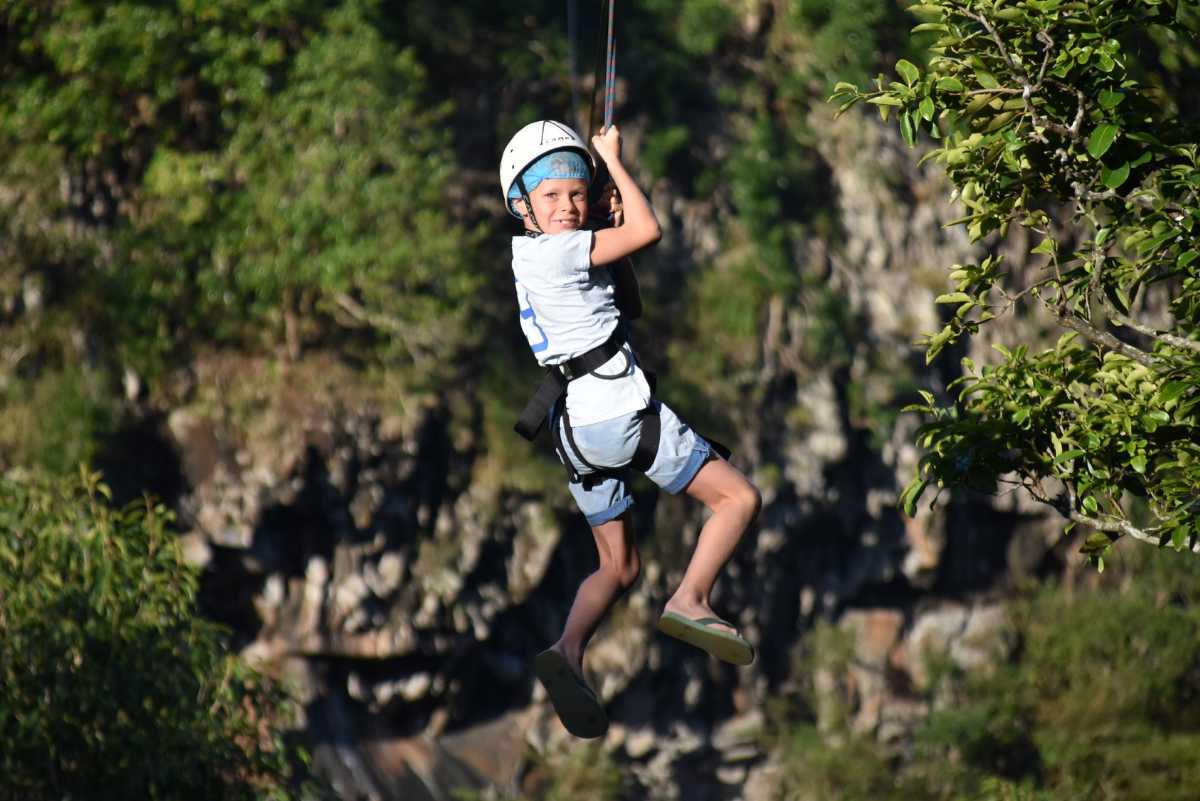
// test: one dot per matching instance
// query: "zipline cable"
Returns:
(604, 52)
(628, 294)
(610, 77)
(573, 54)
(604, 60)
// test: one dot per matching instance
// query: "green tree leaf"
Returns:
(1102, 138)
(908, 71)
(986, 79)
(1114, 178)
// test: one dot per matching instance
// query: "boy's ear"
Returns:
(519, 205)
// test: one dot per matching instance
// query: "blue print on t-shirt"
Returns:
(527, 313)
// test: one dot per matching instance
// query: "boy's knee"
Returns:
(624, 568)
(749, 500)
(629, 569)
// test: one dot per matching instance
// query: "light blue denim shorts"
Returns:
(612, 443)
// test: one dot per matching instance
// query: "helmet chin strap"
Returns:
(528, 204)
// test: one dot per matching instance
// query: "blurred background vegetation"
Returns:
(292, 180)
(1096, 700)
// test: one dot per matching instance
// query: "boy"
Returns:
(604, 418)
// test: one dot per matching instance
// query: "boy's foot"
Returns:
(576, 705)
(712, 634)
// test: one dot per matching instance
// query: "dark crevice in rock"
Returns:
(138, 459)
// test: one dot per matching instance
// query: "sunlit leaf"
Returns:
(1101, 139)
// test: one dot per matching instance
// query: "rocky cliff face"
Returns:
(356, 545)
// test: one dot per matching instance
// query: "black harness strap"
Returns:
(560, 447)
(647, 447)
(566, 429)
(554, 383)
(595, 358)
(533, 416)
(720, 449)
(643, 456)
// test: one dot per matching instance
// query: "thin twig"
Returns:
(1011, 299)
(999, 90)
(1043, 36)
(1098, 256)
(1078, 115)
(1083, 193)
(985, 22)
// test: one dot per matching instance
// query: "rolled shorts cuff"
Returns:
(611, 513)
(700, 453)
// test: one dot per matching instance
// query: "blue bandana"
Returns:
(559, 164)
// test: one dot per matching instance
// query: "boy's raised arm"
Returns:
(640, 227)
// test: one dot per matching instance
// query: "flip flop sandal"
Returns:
(577, 706)
(727, 647)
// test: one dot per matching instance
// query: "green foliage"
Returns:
(853, 769)
(1121, 723)
(96, 78)
(110, 685)
(661, 147)
(770, 187)
(55, 421)
(341, 194)
(699, 26)
(1098, 701)
(1039, 109)
(844, 38)
(230, 173)
(582, 774)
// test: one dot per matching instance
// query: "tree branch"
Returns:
(1095, 335)
(1028, 89)
(1065, 504)
(1116, 525)
(1098, 256)
(1165, 338)
(394, 326)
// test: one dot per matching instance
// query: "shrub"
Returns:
(111, 686)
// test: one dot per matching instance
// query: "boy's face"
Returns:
(560, 205)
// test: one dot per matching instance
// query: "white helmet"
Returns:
(531, 143)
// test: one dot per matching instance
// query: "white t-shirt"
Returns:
(567, 308)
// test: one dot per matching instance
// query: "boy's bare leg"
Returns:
(619, 566)
(734, 503)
